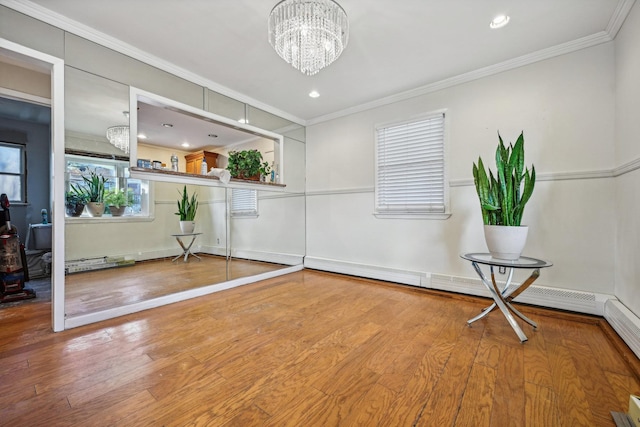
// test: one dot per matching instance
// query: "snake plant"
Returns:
(187, 207)
(504, 196)
(93, 189)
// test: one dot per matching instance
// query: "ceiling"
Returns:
(395, 47)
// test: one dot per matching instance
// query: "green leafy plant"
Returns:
(504, 196)
(187, 207)
(246, 164)
(93, 189)
(118, 198)
(73, 197)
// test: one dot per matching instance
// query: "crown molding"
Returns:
(619, 15)
(622, 10)
(521, 61)
(52, 18)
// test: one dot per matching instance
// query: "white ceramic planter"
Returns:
(506, 242)
(187, 227)
(95, 209)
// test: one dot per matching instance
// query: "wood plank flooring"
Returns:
(97, 290)
(313, 349)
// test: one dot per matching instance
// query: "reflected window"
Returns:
(12, 171)
(117, 174)
(244, 203)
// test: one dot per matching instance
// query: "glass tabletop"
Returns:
(522, 262)
(186, 234)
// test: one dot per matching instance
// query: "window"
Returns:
(244, 202)
(12, 172)
(116, 172)
(410, 167)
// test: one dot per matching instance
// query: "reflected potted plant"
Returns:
(187, 208)
(246, 164)
(118, 200)
(503, 198)
(75, 202)
(94, 192)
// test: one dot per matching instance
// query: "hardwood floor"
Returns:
(98, 290)
(313, 349)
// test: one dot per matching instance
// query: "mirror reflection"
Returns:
(114, 260)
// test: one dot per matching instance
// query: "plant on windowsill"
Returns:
(503, 198)
(187, 208)
(75, 202)
(94, 191)
(247, 164)
(118, 201)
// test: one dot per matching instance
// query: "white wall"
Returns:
(565, 106)
(627, 206)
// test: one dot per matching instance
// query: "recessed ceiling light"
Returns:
(185, 144)
(167, 125)
(142, 136)
(314, 94)
(499, 21)
(212, 135)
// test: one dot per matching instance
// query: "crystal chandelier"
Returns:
(119, 137)
(308, 34)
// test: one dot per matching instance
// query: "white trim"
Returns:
(82, 30)
(521, 61)
(615, 23)
(553, 176)
(544, 296)
(22, 96)
(413, 278)
(625, 323)
(619, 15)
(273, 257)
(56, 66)
(85, 319)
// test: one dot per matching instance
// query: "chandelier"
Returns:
(308, 34)
(119, 137)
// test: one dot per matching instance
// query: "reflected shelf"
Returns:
(196, 179)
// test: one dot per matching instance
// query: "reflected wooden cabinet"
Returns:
(194, 161)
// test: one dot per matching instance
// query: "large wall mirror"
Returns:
(244, 230)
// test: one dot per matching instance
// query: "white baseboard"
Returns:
(405, 277)
(625, 323)
(544, 296)
(274, 257)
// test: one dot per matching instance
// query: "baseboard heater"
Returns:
(98, 263)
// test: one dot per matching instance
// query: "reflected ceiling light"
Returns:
(212, 135)
(167, 125)
(244, 121)
(499, 21)
(142, 136)
(314, 94)
(185, 144)
(308, 34)
(118, 136)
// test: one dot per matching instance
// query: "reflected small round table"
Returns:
(186, 250)
(502, 297)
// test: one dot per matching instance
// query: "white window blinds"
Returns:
(410, 167)
(244, 202)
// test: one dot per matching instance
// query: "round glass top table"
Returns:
(502, 297)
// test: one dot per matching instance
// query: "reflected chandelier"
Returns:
(308, 34)
(119, 137)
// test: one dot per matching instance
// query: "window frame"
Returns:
(22, 174)
(121, 174)
(379, 211)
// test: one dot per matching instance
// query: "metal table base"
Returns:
(502, 297)
(186, 250)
